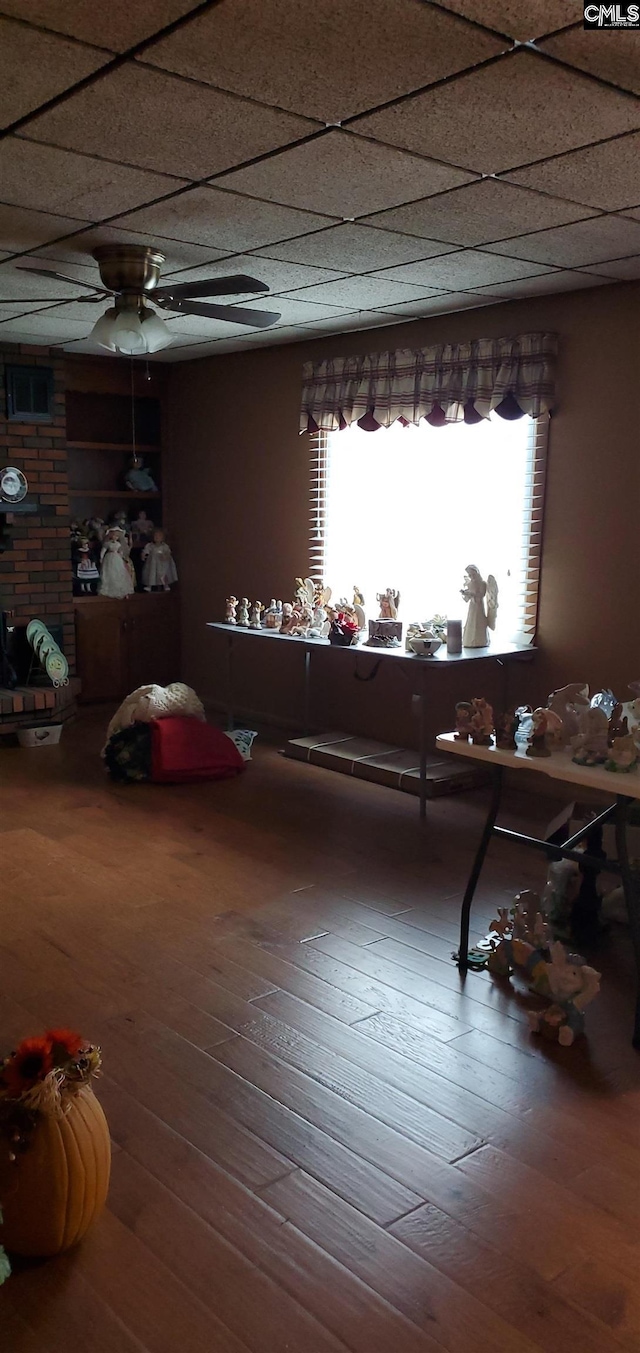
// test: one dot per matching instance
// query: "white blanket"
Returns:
(156, 702)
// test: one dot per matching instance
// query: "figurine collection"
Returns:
(596, 731)
(118, 557)
(520, 939)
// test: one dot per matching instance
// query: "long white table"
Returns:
(624, 788)
(367, 663)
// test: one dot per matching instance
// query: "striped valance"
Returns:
(448, 383)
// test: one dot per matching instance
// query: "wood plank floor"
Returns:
(322, 1140)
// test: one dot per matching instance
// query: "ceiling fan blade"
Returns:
(61, 277)
(237, 285)
(233, 314)
(52, 302)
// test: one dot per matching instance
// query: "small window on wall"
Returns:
(29, 394)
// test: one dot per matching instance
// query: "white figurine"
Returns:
(358, 607)
(255, 622)
(158, 567)
(230, 610)
(116, 572)
(319, 619)
(272, 617)
(480, 618)
(389, 604)
(243, 612)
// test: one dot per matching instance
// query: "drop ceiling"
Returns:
(370, 160)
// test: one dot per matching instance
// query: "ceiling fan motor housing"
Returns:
(129, 268)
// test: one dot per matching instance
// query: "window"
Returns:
(410, 507)
(29, 394)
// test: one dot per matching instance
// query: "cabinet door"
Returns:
(100, 646)
(153, 639)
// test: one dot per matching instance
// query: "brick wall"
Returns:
(35, 569)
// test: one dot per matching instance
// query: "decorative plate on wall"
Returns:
(13, 485)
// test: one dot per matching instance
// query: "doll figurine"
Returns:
(255, 621)
(138, 479)
(87, 572)
(243, 612)
(481, 617)
(142, 529)
(158, 567)
(230, 611)
(115, 568)
(506, 727)
(358, 607)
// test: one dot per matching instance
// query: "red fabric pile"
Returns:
(183, 750)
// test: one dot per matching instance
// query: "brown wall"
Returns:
(237, 493)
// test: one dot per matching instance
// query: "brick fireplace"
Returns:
(35, 566)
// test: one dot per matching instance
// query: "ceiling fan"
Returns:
(130, 272)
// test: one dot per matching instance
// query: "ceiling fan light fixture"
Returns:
(103, 330)
(155, 332)
(131, 332)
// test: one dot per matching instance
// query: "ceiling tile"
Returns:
(619, 269)
(612, 56)
(547, 284)
(576, 245)
(361, 293)
(144, 117)
(356, 248)
(78, 248)
(359, 319)
(515, 110)
(606, 175)
(116, 25)
(485, 210)
(42, 325)
(442, 304)
(460, 271)
(22, 229)
(344, 175)
(633, 212)
(49, 179)
(34, 67)
(335, 59)
(278, 276)
(518, 20)
(225, 220)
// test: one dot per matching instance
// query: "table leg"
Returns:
(585, 913)
(230, 722)
(307, 688)
(422, 734)
(632, 899)
(477, 868)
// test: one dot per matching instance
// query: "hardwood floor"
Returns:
(322, 1141)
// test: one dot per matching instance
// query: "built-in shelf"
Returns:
(113, 446)
(112, 493)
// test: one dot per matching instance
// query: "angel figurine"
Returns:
(255, 615)
(482, 614)
(389, 603)
(231, 605)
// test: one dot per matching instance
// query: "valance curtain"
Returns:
(448, 383)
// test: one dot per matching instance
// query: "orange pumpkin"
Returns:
(53, 1191)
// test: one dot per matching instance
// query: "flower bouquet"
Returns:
(344, 629)
(54, 1143)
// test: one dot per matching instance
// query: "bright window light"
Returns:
(410, 507)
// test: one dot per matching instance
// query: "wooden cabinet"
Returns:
(124, 644)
